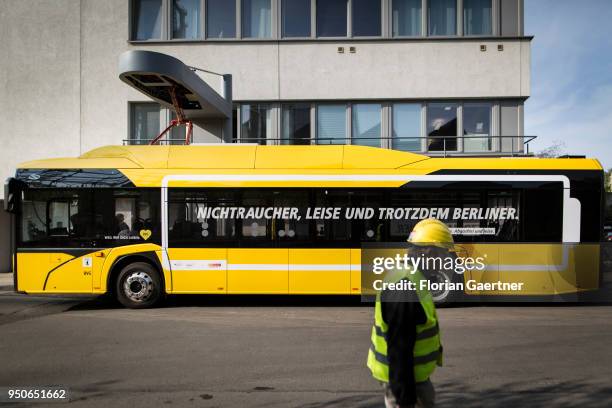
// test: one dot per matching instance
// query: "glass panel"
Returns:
(406, 124)
(366, 124)
(255, 122)
(186, 19)
(178, 133)
(477, 17)
(442, 17)
(331, 18)
(125, 216)
(256, 19)
(296, 18)
(33, 219)
(234, 124)
(406, 15)
(442, 121)
(292, 232)
(85, 217)
(144, 122)
(190, 219)
(366, 18)
(296, 123)
(331, 124)
(59, 217)
(477, 122)
(256, 229)
(147, 19)
(220, 19)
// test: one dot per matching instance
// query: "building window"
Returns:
(406, 16)
(331, 18)
(220, 19)
(406, 127)
(145, 120)
(186, 19)
(296, 18)
(178, 134)
(331, 124)
(476, 123)
(295, 123)
(441, 122)
(366, 124)
(477, 17)
(442, 17)
(255, 123)
(147, 19)
(256, 19)
(366, 20)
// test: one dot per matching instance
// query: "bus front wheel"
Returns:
(138, 286)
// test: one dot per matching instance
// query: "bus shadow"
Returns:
(176, 301)
(265, 301)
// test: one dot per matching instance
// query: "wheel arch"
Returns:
(122, 261)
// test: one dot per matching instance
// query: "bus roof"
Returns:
(311, 157)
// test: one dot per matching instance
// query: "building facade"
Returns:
(438, 77)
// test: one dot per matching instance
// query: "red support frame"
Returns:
(180, 120)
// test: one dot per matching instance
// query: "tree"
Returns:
(556, 149)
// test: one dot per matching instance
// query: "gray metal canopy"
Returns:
(156, 74)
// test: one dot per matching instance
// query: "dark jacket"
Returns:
(402, 312)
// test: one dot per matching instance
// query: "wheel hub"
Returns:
(439, 277)
(138, 286)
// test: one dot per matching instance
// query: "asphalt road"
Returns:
(279, 352)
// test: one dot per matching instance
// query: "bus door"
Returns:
(196, 247)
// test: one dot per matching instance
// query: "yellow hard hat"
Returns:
(433, 232)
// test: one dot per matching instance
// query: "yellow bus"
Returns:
(144, 221)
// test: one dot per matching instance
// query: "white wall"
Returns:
(39, 81)
(62, 96)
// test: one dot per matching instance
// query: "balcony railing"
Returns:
(429, 145)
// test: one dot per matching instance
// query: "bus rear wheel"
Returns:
(138, 286)
(446, 297)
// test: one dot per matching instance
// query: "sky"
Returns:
(571, 76)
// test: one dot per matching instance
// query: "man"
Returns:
(121, 227)
(406, 346)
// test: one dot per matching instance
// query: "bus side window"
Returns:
(125, 216)
(256, 229)
(59, 218)
(189, 224)
(292, 230)
(332, 232)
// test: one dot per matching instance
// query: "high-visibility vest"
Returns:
(427, 347)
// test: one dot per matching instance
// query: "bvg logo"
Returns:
(145, 234)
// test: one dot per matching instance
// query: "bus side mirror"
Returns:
(10, 192)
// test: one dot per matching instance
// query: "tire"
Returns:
(139, 286)
(447, 297)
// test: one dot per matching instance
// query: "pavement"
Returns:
(200, 351)
(6, 281)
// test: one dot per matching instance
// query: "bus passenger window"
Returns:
(191, 220)
(33, 220)
(125, 214)
(59, 218)
(255, 227)
(292, 230)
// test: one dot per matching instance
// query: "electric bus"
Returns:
(140, 222)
